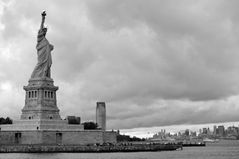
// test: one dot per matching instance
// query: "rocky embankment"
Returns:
(88, 148)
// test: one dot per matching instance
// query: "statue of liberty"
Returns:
(44, 48)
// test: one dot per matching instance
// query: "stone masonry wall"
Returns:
(56, 137)
(110, 137)
(82, 137)
(7, 137)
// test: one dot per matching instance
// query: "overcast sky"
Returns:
(154, 62)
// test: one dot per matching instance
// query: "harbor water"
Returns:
(227, 149)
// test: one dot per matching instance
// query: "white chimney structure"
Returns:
(101, 115)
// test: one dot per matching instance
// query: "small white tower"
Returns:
(101, 115)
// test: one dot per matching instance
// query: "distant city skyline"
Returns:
(154, 63)
(149, 132)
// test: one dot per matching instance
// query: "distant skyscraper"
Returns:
(214, 130)
(200, 131)
(221, 130)
(204, 130)
(208, 131)
(187, 132)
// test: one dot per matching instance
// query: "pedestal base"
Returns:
(40, 100)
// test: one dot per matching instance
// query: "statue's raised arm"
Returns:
(43, 14)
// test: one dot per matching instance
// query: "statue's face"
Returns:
(44, 31)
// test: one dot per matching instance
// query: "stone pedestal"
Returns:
(40, 100)
(40, 111)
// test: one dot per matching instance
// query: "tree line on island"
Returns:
(6, 120)
(127, 138)
(89, 125)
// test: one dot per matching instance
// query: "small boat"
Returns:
(210, 140)
(194, 144)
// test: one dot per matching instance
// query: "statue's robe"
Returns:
(44, 48)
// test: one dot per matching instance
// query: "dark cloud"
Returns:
(146, 59)
(196, 46)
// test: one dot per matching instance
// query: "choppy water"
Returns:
(221, 150)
